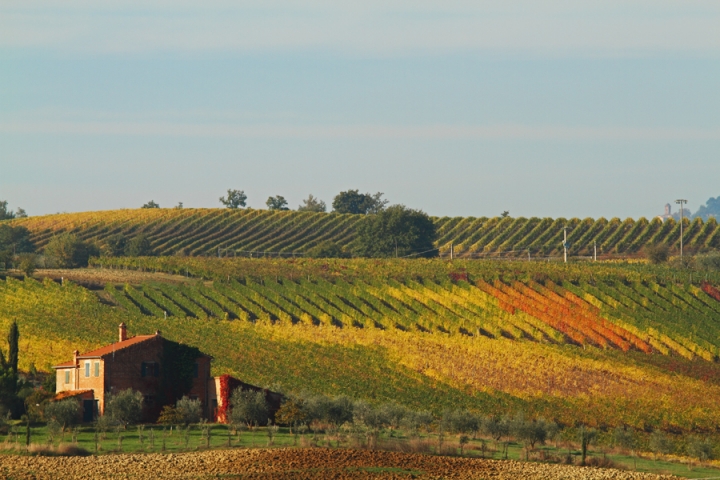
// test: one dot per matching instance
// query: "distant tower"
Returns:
(667, 214)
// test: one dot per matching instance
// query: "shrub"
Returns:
(710, 261)
(170, 416)
(703, 450)
(659, 443)
(657, 254)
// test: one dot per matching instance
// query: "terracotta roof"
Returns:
(108, 349)
(69, 394)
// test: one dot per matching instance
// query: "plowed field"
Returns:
(293, 464)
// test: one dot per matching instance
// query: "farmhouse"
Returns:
(158, 368)
(162, 370)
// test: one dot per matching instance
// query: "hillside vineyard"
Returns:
(605, 346)
(262, 232)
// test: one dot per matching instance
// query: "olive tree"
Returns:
(249, 407)
(64, 412)
(125, 407)
(189, 410)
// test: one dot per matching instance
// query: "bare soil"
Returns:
(97, 278)
(295, 463)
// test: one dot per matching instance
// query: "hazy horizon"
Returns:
(547, 109)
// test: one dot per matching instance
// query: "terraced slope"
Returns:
(640, 353)
(233, 232)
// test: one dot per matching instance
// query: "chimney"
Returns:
(75, 358)
(123, 332)
(157, 332)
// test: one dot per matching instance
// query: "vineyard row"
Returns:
(229, 232)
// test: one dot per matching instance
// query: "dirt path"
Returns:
(294, 464)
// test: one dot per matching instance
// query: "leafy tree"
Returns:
(330, 410)
(460, 421)
(151, 204)
(13, 241)
(312, 204)
(352, 201)
(64, 412)
(189, 410)
(21, 213)
(291, 412)
(396, 231)
(249, 407)
(27, 263)
(125, 407)
(505, 214)
(5, 214)
(115, 245)
(327, 249)
(68, 251)
(234, 199)
(36, 401)
(710, 209)
(277, 203)
(139, 246)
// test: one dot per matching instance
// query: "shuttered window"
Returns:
(97, 369)
(87, 369)
(67, 376)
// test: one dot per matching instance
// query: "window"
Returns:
(87, 369)
(67, 376)
(150, 369)
(97, 369)
(196, 374)
(149, 401)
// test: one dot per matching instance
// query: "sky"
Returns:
(459, 108)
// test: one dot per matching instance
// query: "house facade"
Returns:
(137, 362)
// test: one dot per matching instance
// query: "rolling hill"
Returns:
(601, 344)
(239, 232)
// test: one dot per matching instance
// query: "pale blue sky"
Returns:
(543, 108)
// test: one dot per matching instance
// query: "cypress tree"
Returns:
(14, 347)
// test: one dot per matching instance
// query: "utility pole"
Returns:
(681, 202)
(396, 248)
(529, 255)
(565, 242)
(452, 253)
(595, 251)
